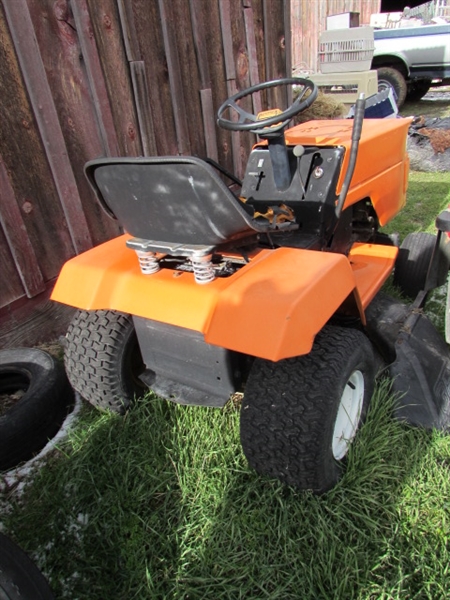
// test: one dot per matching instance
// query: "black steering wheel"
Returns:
(250, 122)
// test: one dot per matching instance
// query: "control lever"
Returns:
(299, 151)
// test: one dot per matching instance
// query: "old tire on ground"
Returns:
(20, 579)
(299, 415)
(388, 77)
(103, 360)
(411, 266)
(46, 397)
(418, 89)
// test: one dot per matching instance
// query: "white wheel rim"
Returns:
(348, 415)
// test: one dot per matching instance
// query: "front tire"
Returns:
(300, 415)
(103, 360)
(388, 77)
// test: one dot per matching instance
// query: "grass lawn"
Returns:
(161, 504)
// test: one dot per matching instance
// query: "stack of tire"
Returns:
(46, 398)
(43, 399)
(20, 579)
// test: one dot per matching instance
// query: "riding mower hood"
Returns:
(269, 285)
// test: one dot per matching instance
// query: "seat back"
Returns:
(170, 199)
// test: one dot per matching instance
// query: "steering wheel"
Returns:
(250, 122)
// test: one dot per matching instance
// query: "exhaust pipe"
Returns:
(356, 136)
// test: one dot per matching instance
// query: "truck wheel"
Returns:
(388, 77)
(418, 89)
(411, 266)
(103, 360)
(20, 579)
(300, 415)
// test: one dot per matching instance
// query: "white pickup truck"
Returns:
(410, 59)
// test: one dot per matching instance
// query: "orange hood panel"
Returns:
(381, 171)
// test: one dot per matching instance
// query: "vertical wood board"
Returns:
(108, 37)
(11, 288)
(74, 101)
(129, 32)
(147, 23)
(211, 10)
(199, 25)
(96, 81)
(175, 78)
(30, 60)
(143, 108)
(28, 170)
(18, 241)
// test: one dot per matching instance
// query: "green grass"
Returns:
(428, 194)
(161, 504)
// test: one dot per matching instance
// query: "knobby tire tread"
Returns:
(94, 358)
(289, 409)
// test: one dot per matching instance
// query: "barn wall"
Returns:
(81, 79)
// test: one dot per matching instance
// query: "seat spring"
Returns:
(203, 268)
(148, 262)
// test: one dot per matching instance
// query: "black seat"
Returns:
(171, 199)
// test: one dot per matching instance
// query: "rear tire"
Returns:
(411, 266)
(103, 360)
(294, 424)
(388, 77)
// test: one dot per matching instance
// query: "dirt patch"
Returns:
(54, 348)
(428, 144)
(439, 138)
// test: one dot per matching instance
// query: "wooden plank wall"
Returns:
(81, 79)
(308, 21)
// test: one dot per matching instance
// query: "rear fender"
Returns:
(271, 308)
(275, 309)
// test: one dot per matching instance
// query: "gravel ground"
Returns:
(434, 104)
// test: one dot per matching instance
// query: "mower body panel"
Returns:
(182, 367)
(271, 308)
(381, 171)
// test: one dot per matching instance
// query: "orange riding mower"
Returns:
(268, 286)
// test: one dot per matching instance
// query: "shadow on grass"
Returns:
(161, 504)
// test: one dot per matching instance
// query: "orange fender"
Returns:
(271, 308)
(275, 308)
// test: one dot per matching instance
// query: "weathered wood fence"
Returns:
(86, 78)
